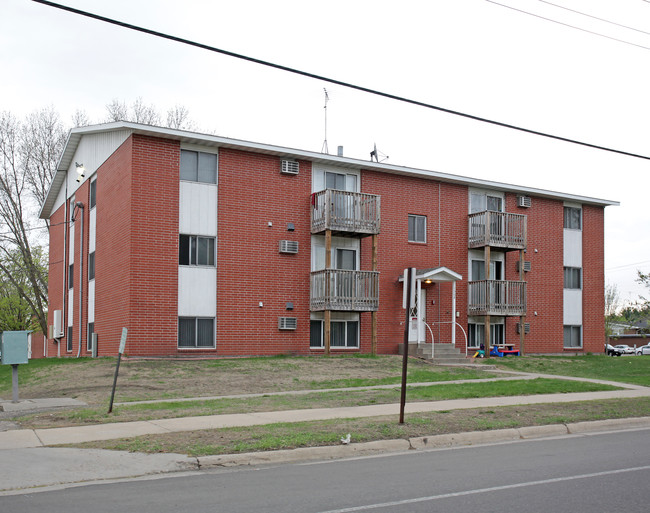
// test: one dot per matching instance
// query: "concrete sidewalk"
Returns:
(26, 438)
(30, 461)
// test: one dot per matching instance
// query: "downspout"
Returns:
(80, 206)
(64, 320)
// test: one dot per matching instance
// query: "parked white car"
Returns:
(643, 349)
(625, 348)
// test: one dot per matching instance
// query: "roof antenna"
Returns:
(376, 154)
(324, 149)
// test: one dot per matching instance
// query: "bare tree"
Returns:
(145, 114)
(117, 111)
(41, 140)
(80, 118)
(178, 117)
(612, 304)
(28, 154)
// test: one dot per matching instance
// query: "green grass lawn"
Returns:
(625, 369)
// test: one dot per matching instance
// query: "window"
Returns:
(346, 259)
(91, 266)
(572, 337)
(417, 228)
(70, 276)
(197, 166)
(476, 334)
(340, 181)
(196, 332)
(479, 202)
(93, 193)
(196, 250)
(68, 340)
(573, 218)
(342, 334)
(91, 330)
(572, 278)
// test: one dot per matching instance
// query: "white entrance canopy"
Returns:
(438, 275)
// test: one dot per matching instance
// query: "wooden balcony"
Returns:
(350, 291)
(344, 212)
(497, 229)
(496, 297)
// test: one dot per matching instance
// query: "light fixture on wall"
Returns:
(81, 171)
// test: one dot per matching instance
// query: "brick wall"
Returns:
(593, 277)
(113, 246)
(137, 256)
(250, 270)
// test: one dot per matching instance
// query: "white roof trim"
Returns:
(76, 134)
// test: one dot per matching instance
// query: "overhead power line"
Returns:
(594, 17)
(331, 80)
(566, 24)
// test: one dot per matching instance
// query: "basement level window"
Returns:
(196, 332)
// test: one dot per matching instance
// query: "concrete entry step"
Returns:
(442, 353)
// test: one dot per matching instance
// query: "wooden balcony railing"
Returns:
(352, 291)
(496, 297)
(498, 229)
(342, 211)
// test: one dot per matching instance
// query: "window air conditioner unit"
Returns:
(527, 266)
(524, 201)
(289, 246)
(287, 323)
(526, 327)
(290, 167)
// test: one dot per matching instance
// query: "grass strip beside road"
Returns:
(624, 369)
(321, 433)
(332, 399)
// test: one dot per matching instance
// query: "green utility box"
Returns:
(15, 347)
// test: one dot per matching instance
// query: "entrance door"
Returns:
(416, 327)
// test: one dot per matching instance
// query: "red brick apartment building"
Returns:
(206, 246)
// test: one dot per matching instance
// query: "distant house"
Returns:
(207, 246)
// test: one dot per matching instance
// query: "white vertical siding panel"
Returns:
(572, 248)
(198, 209)
(92, 152)
(573, 307)
(197, 291)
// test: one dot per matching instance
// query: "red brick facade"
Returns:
(137, 247)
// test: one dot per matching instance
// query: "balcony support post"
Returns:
(328, 265)
(374, 312)
(522, 319)
(488, 342)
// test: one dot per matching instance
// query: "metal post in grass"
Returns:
(117, 367)
(408, 300)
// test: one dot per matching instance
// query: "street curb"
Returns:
(305, 454)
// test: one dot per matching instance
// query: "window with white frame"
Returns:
(89, 340)
(481, 201)
(196, 250)
(342, 334)
(417, 226)
(91, 266)
(476, 335)
(197, 166)
(573, 218)
(572, 337)
(572, 278)
(93, 193)
(196, 332)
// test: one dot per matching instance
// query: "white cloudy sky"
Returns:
(473, 56)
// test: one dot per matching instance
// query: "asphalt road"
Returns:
(591, 473)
